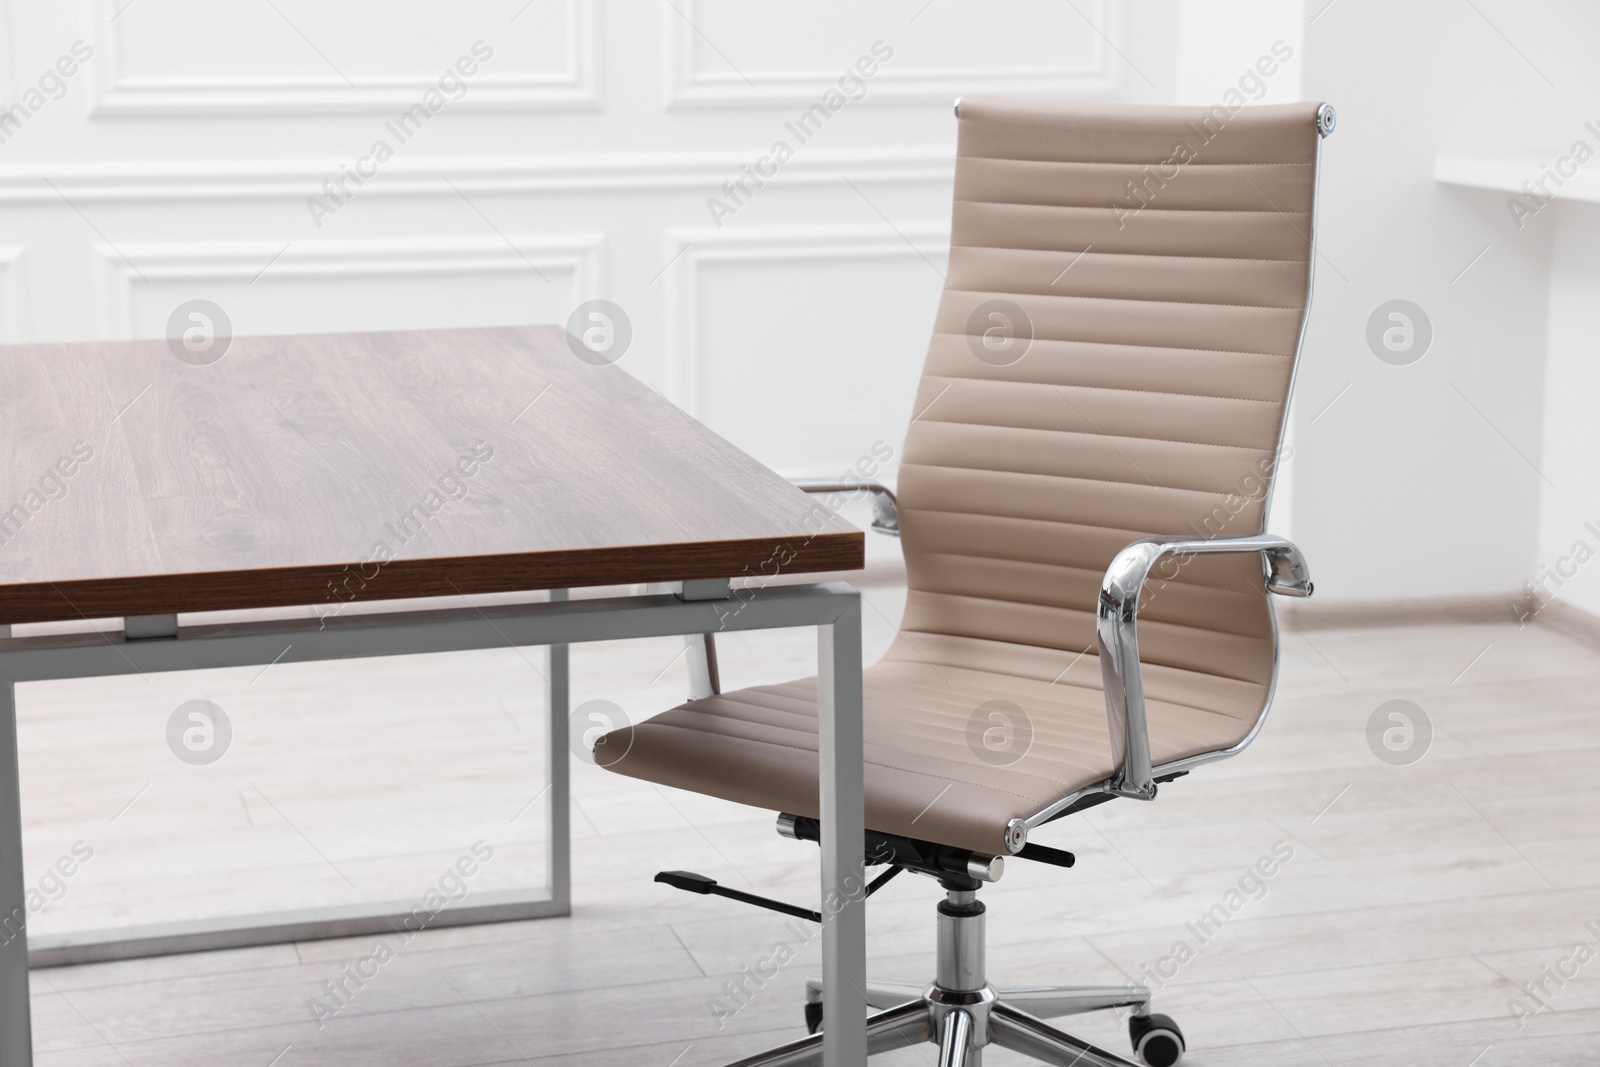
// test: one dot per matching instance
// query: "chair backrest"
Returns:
(1112, 359)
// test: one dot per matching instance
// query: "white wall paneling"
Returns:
(293, 178)
(8, 83)
(198, 57)
(720, 53)
(349, 285)
(194, 138)
(13, 304)
(797, 343)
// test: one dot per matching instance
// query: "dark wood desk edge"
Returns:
(333, 584)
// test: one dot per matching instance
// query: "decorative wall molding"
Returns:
(686, 86)
(8, 59)
(119, 270)
(117, 95)
(13, 305)
(298, 179)
(689, 250)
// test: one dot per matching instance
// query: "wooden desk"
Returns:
(273, 476)
(330, 470)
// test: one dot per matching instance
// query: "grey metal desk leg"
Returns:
(844, 925)
(559, 702)
(16, 1038)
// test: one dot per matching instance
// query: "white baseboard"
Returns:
(1574, 622)
(1422, 611)
(1582, 626)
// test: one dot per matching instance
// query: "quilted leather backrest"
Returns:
(1112, 359)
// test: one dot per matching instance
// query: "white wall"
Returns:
(1220, 42)
(1568, 565)
(1236, 44)
(1424, 480)
(578, 163)
(580, 160)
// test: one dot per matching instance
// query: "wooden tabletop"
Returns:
(322, 469)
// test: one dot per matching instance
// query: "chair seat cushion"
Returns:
(952, 754)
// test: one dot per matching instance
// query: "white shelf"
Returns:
(1505, 174)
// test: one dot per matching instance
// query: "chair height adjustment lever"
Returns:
(699, 883)
(1046, 854)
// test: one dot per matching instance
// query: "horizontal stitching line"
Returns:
(1051, 648)
(1094, 433)
(1107, 163)
(1119, 436)
(1002, 642)
(937, 694)
(1034, 603)
(869, 762)
(1090, 703)
(1089, 253)
(1026, 518)
(805, 696)
(1250, 596)
(1065, 740)
(1092, 692)
(1139, 208)
(952, 699)
(1054, 522)
(1065, 478)
(1101, 388)
(1135, 344)
(1131, 299)
(1147, 255)
(1186, 626)
(955, 287)
(1085, 611)
(1131, 344)
(1073, 567)
(1085, 688)
(942, 708)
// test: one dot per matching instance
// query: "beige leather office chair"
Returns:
(1094, 440)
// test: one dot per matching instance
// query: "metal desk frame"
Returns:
(835, 610)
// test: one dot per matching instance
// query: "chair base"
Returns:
(962, 1013)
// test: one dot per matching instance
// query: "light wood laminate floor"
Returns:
(1416, 900)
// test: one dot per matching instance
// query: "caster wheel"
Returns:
(813, 1018)
(1157, 1041)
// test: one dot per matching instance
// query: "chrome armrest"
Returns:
(885, 512)
(1117, 631)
